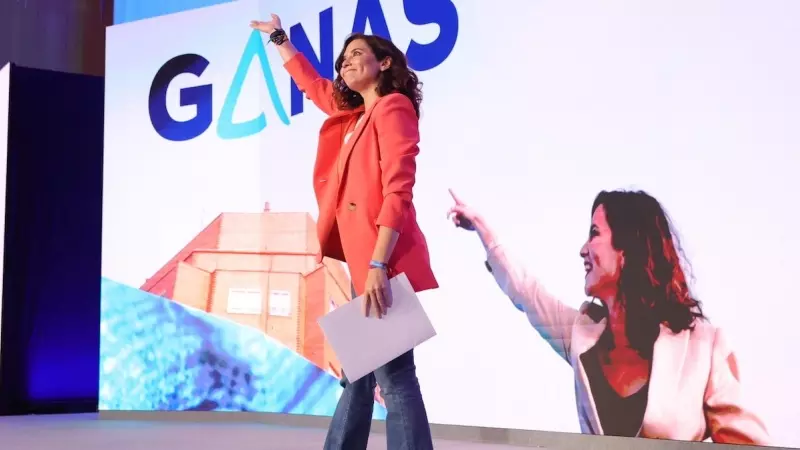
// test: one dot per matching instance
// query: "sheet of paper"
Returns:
(363, 344)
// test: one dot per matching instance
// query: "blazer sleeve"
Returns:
(318, 89)
(397, 126)
(550, 317)
(728, 417)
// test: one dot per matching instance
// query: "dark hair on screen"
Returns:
(653, 287)
(397, 78)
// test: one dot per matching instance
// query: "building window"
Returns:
(280, 303)
(244, 301)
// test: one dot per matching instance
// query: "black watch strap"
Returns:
(278, 37)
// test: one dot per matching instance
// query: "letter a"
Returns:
(226, 129)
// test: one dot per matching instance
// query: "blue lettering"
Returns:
(198, 96)
(226, 129)
(370, 10)
(324, 64)
(423, 57)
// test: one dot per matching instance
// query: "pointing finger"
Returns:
(455, 197)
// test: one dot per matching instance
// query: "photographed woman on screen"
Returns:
(363, 178)
(646, 360)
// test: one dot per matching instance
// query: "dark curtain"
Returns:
(50, 320)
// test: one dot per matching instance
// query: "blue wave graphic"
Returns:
(157, 355)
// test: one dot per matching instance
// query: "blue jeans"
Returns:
(407, 425)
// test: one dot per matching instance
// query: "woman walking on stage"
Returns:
(363, 178)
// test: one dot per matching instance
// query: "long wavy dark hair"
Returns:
(397, 78)
(653, 287)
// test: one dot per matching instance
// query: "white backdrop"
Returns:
(540, 105)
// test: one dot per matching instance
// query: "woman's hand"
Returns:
(284, 46)
(377, 293)
(462, 215)
(267, 27)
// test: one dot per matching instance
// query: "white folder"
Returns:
(363, 344)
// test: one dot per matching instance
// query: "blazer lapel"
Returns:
(669, 356)
(347, 149)
(332, 129)
(585, 335)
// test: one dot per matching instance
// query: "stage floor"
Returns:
(87, 432)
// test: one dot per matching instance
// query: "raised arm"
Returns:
(549, 316)
(318, 89)
(729, 419)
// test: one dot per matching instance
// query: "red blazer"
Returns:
(374, 187)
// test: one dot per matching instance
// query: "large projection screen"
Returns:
(211, 289)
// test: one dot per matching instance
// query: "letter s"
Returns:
(199, 96)
(440, 12)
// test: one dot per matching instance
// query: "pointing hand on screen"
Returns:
(462, 215)
(267, 27)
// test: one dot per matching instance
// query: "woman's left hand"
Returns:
(377, 293)
(268, 27)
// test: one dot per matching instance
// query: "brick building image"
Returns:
(260, 270)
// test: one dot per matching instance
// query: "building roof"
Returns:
(276, 233)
